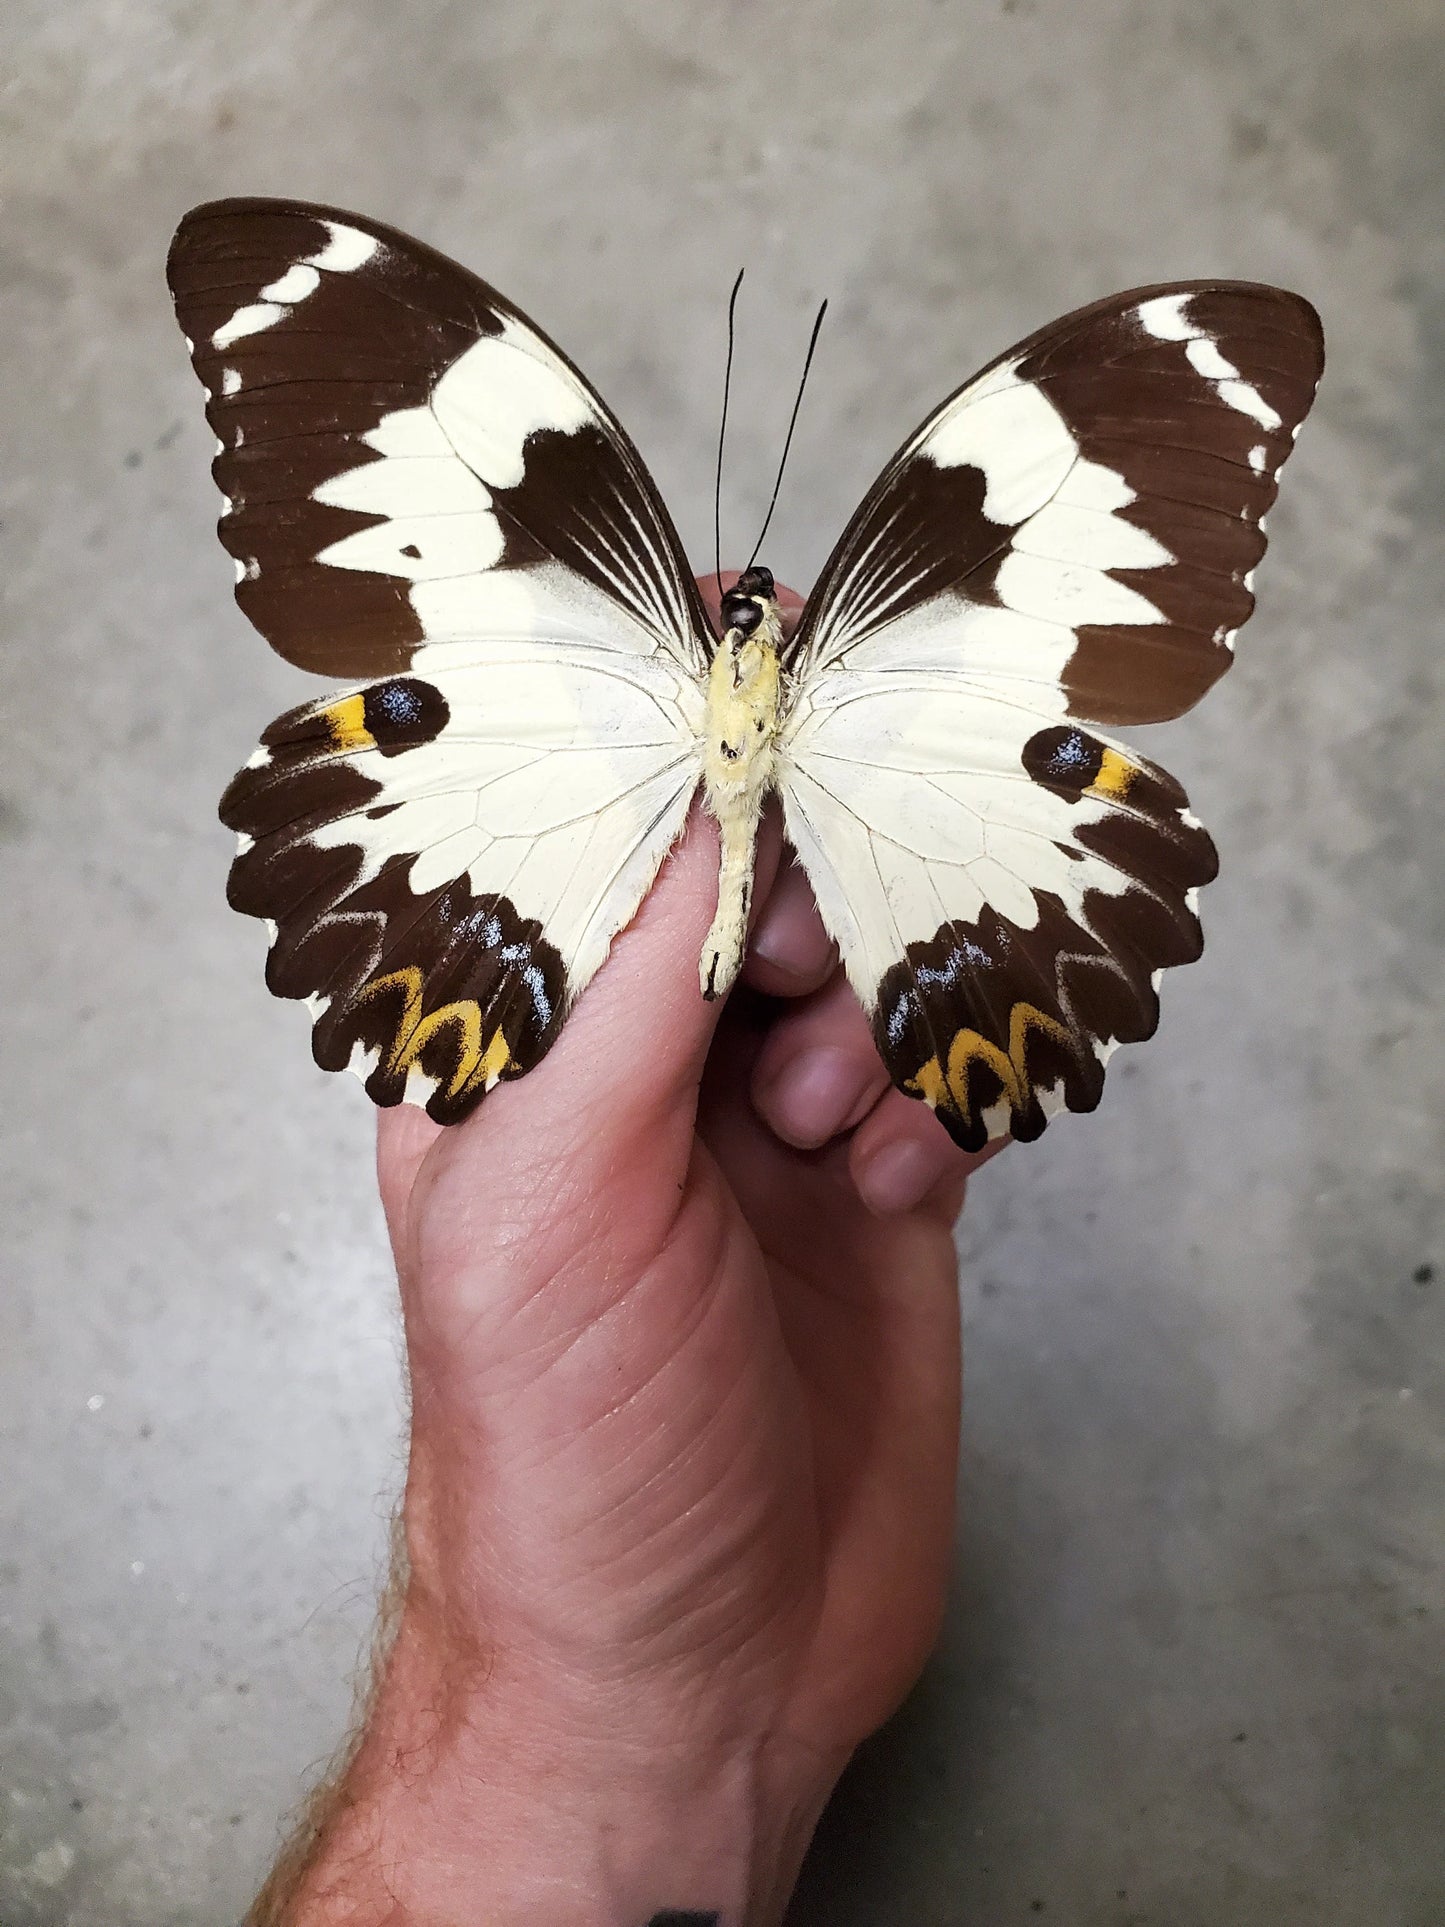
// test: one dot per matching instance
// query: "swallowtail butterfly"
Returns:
(426, 501)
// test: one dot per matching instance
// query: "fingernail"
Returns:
(900, 1176)
(813, 1096)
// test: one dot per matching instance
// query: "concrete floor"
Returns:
(1193, 1674)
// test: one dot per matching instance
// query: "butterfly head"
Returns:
(751, 598)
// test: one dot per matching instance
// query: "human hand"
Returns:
(682, 1327)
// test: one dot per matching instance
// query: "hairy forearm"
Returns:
(461, 1802)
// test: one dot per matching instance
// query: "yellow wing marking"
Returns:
(347, 722)
(931, 1085)
(474, 1064)
(1116, 773)
(949, 1090)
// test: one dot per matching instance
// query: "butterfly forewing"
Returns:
(1086, 513)
(1069, 540)
(406, 461)
(421, 490)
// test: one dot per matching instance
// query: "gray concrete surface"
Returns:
(1193, 1673)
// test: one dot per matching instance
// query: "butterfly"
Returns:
(426, 500)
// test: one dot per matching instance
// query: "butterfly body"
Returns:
(426, 501)
(745, 707)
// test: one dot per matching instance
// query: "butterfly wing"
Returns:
(407, 463)
(1068, 543)
(423, 496)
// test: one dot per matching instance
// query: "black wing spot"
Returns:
(1063, 760)
(404, 712)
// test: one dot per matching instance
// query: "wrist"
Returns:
(473, 1797)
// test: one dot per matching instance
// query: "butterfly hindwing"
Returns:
(421, 490)
(1068, 541)
(446, 869)
(1004, 888)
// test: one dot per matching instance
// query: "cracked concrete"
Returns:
(1193, 1670)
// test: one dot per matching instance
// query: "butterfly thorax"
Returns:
(744, 709)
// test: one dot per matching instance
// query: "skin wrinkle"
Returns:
(664, 1611)
(691, 1332)
(645, 1284)
(551, 1351)
(551, 1347)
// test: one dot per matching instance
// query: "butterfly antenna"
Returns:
(721, 433)
(792, 424)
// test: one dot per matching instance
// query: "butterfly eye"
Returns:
(740, 612)
(753, 582)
